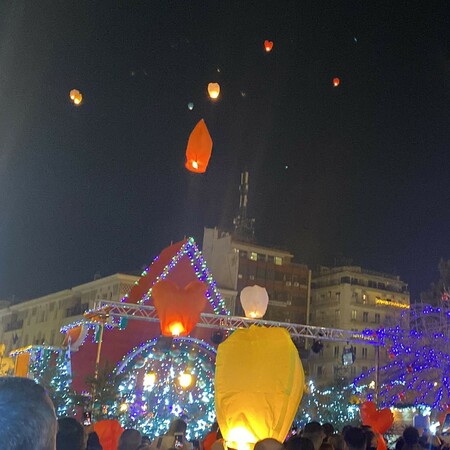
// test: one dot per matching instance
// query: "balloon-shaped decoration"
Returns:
(178, 308)
(381, 443)
(214, 90)
(76, 97)
(380, 421)
(254, 300)
(190, 106)
(268, 46)
(108, 432)
(199, 148)
(336, 82)
(75, 337)
(253, 399)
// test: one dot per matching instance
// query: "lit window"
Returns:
(253, 256)
(353, 314)
(278, 260)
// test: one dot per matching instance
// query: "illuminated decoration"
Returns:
(268, 45)
(254, 401)
(418, 371)
(379, 420)
(51, 367)
(190, 249)
(336, 82)
(6, 363)
(382, 301)
(75, 336)
(214, 90)
(335, 404)
(76, 97)
(178, 309)
(155, 394)
(254, 301)
(190, 106)
(199, 148)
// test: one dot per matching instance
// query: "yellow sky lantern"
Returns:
(214, 90)
(259, 383)
(76, 97)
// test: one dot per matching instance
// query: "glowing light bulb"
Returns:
(123, 407)
(185, 380)
(149, 380)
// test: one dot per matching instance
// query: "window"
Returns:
(354, 314)
(338, 296)
(278, 260)
(337, 314)
(261, 257)
(329, 294)
(365, 316)
(364, 353)
(253, 256)
(251, 277)
(260, 272)
(345, 280)
(377, 318)
(336, 351)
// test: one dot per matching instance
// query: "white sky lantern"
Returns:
(254, 300)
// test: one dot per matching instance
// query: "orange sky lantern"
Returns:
(76, 97)
(268, 45)
(336, 82)
(178, 308)
(199, 148)
(214, 90)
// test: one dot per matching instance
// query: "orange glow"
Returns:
(199, 148)
(76, 97)
(268, 45)
(185, 380)
(336, 82)
(176, 328)
(214, 90)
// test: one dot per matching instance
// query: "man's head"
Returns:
(314, 432)
(355, 438)
(27, 415)
(70, 435)
(268, 444)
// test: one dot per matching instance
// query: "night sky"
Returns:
(359, 171)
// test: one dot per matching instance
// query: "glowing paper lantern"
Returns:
(178, 308)
(258, 385)
(185, 380)
(190, 106)
(254, 300)
(199, 148)
(268, 45)
(214, 90)
(76, 97)
(336, 82)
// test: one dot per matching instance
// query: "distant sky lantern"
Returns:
(336, 82)
(178, 308)
(76, 97)
(258, 385)
(214, 90)
(254, 300)
(268, 45)
(190, 106)
(199, 148)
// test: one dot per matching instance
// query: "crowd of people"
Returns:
(28, 422)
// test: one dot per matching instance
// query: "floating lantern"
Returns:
(254, 401)
(185, 380)
(76, 97)
(254, 300)
(336, 82)
(199, 148)
(268, 45)
(190, 106)
(214, 90)
(178, 308)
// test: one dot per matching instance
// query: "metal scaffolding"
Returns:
(116, 310)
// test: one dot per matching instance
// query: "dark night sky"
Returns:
(102, 188)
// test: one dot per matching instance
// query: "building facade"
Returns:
(39, 320)
(352, 298)
(236, 264)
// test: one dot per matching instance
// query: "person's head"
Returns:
(328, 429)
(130, 439)
(268, 444)
(177, 426)
(371, 438)
(27, 415)
(411, 436)
(314, 432)
(337, 441)
(299, 443)
(355, 438)
(326, 446)
(399, 443)
(70, 435)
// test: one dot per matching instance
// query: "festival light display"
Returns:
(165, 379)
(418, 371)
